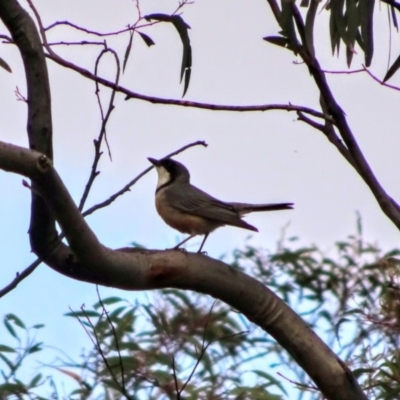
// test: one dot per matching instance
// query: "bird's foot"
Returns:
(183, 250)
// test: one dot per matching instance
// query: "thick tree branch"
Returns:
(39, 125)
(136, 269)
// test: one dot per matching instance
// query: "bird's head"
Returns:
(170, 171)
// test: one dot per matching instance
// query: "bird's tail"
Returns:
(244, 208)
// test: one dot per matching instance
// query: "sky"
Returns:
(252, 157)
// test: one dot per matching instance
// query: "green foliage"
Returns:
(176, 345)
(182, 345)
(13, 358)
(350, 296)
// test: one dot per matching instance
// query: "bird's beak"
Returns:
(155, 162)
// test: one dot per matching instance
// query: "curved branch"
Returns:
(137, 269)
(42, 231)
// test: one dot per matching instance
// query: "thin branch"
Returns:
(96, 342)
(81, 43)
(184, 103)
(127, 187)
(102, 135)
(387, 204)
(354, 71)
(115, 338)
(379, 80)
(330, 134)
(20, 276)
(178, 392)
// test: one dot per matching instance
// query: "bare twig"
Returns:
(19, 277)
(80, 43)
(379, 80)
(96, 342)
(299, 384)
(184, 103)
(330, 134)
(115, 338)
(103, 134)
(204, 347)
(127, 187)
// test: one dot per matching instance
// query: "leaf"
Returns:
(309, 26)
(35, 348)
(352, 29)
(182, 28)
(366, 15)
(82, 314)
(6, 349)
(35, 380)
(108, 301)
(128, 50)
(287, 24)
(10, 329)
(4, 65)
(16, 320)
(277, 40)
(147, 39)
(393, 69)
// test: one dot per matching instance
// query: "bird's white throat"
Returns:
(163, 176)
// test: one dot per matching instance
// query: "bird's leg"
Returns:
(183, 241)
(202, 243)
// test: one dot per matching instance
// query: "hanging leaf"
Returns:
(352, 29)
(147, 39)
(392, 70)
(366, 14)
(309, 26)
(334, 34)
(128, 50)
(394, 18)
(287, 24)
(182, 28)
(4, 65)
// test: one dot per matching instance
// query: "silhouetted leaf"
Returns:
(277, 40)
(182, 28)
(366, 16)
(128, 50)
(6, 349)
(287, 24)
(147, 39)
(352, 29)
(309, 26)
(4, 65)
(393, 69)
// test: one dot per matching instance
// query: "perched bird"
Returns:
(188, 209)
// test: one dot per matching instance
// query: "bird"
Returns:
(190, 210)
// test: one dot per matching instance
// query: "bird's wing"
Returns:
(191, 200)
